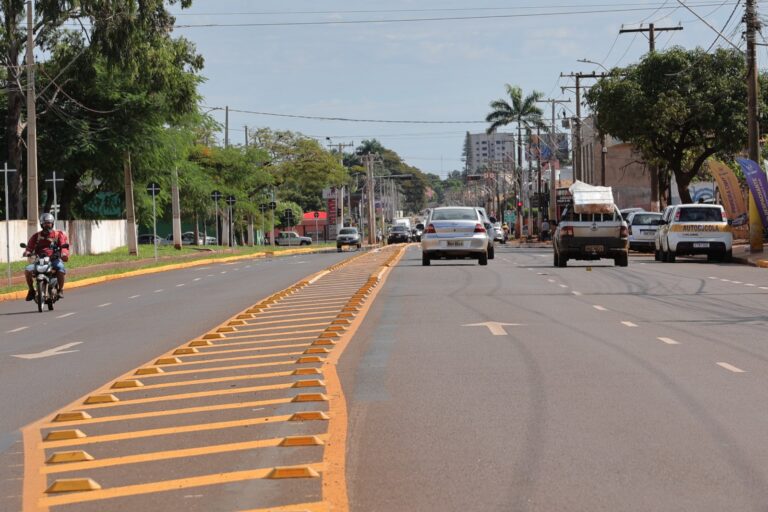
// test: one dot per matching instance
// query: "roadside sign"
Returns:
(263, 207)
(316, 214)
(273, 205)
(231, 200)
(153, 189)
(288, 212)
(216, 195)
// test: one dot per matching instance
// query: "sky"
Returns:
(285, 57)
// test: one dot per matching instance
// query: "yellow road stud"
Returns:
(350, 309)
(328, 335)
(341, 321)
(589, 269)
(293, 472)
(345, 315)
(306, 371)
(301, 441)
(71, 416)
(129, 383)
(317, 350)
(148, 371)
(201, 343)
(245, 317)
(336, 328)
(324, 342)
(73, 485)
(185, 351)
(309, 359)
(313, 383)
(101, 399)
(213, 336)
(226, 329)
(168, 360)
(236, 323)
(65, 457)
(63, 435)
(310, 397)
(309, 416)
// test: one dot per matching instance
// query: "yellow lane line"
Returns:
(289, 362)
(171, 412)
(198, 382)
(166, 455)
(155, 432)
(187, 396)
(299, 507)
(167, 485)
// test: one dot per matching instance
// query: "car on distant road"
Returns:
(292, 238)
(689, 229)
(348, 236)
(642, 230)
(455, 232)
(148, 239)
(399, 233)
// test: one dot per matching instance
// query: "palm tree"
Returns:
(522, 111)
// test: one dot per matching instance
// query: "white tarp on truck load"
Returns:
(591, 198)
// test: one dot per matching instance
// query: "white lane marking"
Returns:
(179, 285)
(731, 368)
(507, 260)
(726, 280)
(628, 323)
(56, 351)
(736, 282)
(134, 296)
(576, 293)
(65, 315)
(599, 308)
(211, 275)
(529, 269)
(204, 268)
(563, 286)
(18, 329)
(551, 280)
(540, 274)
(158, 291)
(496, 328)
(749, 284)
(197, 278)
(223, 272)
(104, 305)
(319, 276)
(669, 341)
(712, 277)
(764, 287)
(247, 266)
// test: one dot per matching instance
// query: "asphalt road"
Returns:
(119, 325)
(613, 389)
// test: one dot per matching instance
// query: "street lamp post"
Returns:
(216, 195)
(153, 189)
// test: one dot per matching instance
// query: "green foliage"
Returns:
(520, 110)
(678, 108)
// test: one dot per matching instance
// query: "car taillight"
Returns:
(623, 231)
(479, 228)
(431, 229)
(677, 215)
(566, 231)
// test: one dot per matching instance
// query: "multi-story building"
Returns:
(486, 152)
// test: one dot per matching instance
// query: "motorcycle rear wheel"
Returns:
(39, 296)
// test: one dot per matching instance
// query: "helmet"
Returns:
(46, 218)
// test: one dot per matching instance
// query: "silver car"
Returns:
(455, 232)
(642, 230)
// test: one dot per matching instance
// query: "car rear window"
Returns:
(700, 215)
(646, 219)
(591, 217)
(454, 214)
(348, 232)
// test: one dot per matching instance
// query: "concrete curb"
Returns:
(176, 266)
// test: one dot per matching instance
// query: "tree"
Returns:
(678, 108)
(522, 111)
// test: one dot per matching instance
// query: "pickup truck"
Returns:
(292, 238)
(591, 236)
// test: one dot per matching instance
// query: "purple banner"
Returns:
(758, 185)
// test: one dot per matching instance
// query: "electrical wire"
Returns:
(724, 26)
(344, 119)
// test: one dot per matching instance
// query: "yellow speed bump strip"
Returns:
(258, 389)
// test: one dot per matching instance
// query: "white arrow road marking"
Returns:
(496, 328)
(18, 329)
(730, 367)
(56, 351)
(669, 341)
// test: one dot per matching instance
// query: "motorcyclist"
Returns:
(40, 244)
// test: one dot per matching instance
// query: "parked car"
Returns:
(150, 239)
(591, 236)
(642, 228)
(291, 238)
(399, 234)
(499, 235)
(688, 229)
(625, 212)
(455, 232)
(348, 236)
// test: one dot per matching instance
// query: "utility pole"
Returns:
(32, 206)
(552, 159)
(753, 25)
(5, 172)
(652, 29)
(226, 126)
(246, 136)
(55, 204)
(368, 161)
(578, 167)
(340, 146)
(176, 209)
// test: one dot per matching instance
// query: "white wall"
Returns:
(85, 237)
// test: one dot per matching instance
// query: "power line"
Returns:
(346, 119)
(736, 6)
(446, 18)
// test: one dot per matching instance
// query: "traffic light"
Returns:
(519, 204)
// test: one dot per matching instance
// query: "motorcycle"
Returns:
(46, 281)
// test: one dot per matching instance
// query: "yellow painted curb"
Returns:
(73, 485)
(762, 263)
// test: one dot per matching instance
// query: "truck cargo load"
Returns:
(591, 198)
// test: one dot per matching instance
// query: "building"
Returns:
(487, 152)
(625, 170)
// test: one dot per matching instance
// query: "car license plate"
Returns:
(646, 231)
(593, 248)
(455, 243)
(701, 245)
